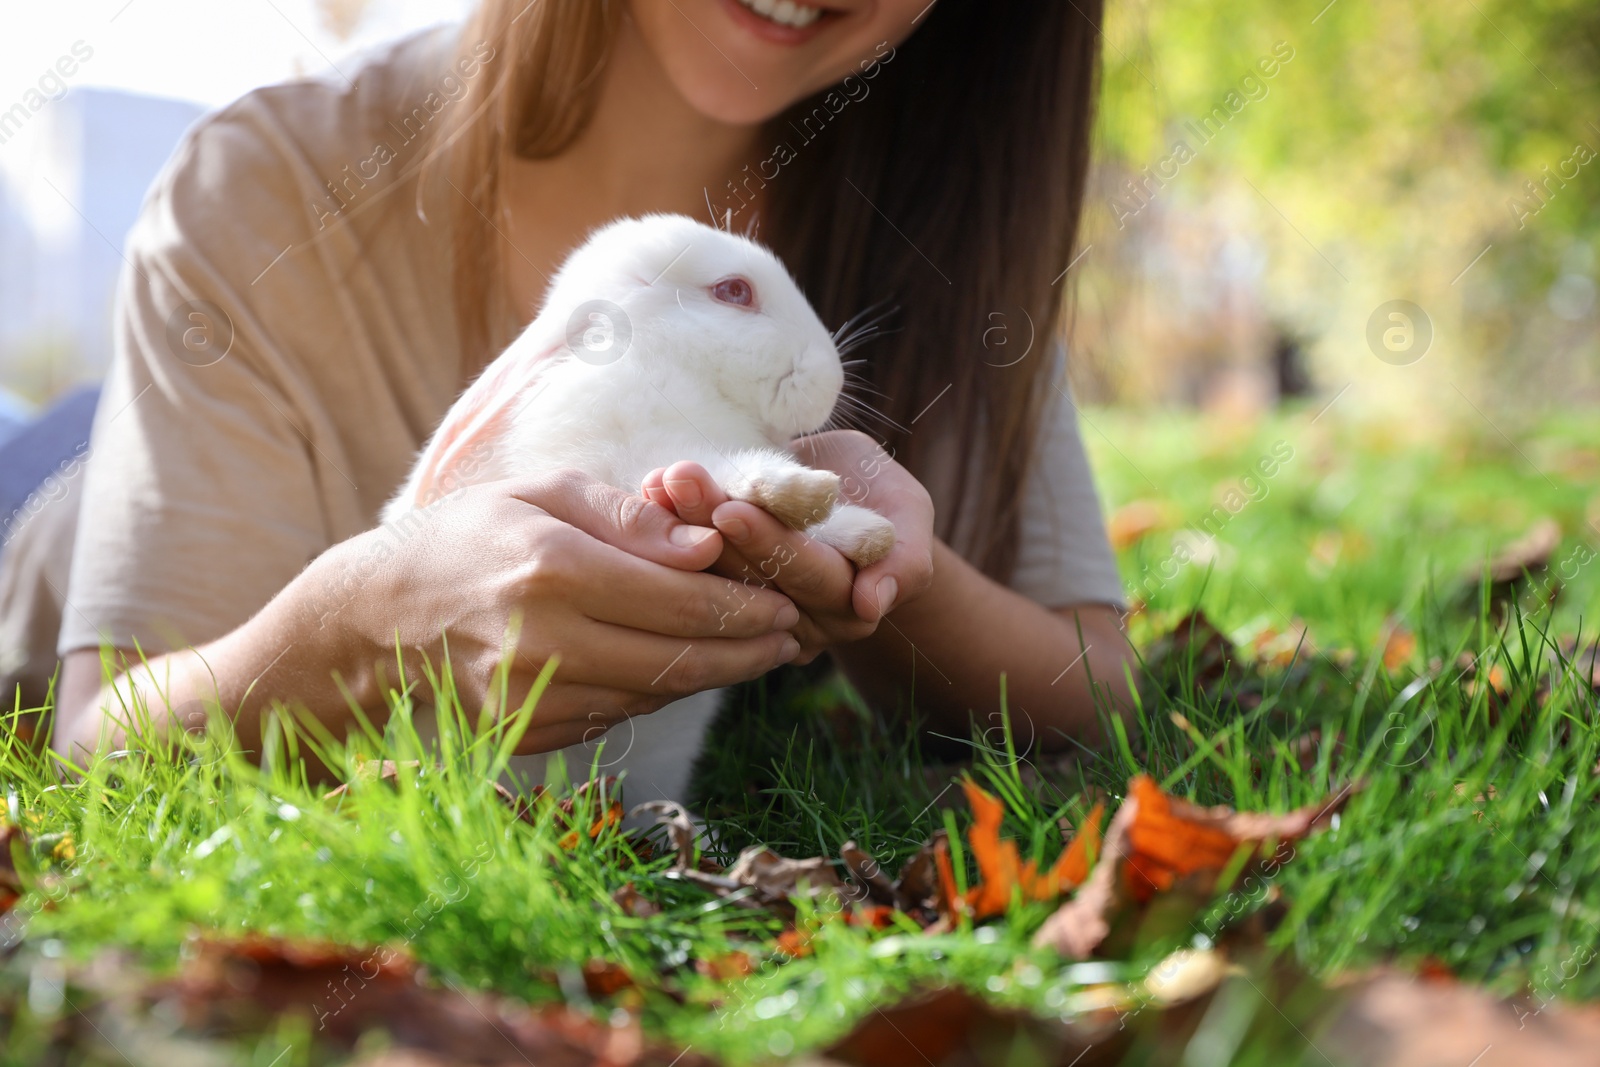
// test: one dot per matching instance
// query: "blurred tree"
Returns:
(1347, 154)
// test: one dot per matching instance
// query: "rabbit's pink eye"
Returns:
(735, 291)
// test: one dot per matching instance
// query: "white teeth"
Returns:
(784, 12)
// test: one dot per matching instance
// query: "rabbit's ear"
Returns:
(477, 422)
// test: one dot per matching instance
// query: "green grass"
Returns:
(1505, 890)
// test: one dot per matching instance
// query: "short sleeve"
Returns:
(1064, 556)
(201, 496)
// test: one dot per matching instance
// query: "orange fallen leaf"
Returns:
(1001, 871)
(997, 859)
(1153, 841)
(795, 942)
(728, 967)
(1281, 648)
(1077, 858)
(1166, 845)
(1398, 648)
(1133, 522)
(871, 916)
(611, 817)
(602, 978)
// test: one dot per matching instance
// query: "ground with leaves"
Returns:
(1384, 636)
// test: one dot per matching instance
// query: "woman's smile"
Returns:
(781, 21)
(742, 62)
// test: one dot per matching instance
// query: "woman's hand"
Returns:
(837, 604)
(606, 581)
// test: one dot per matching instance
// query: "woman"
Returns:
(324, 266)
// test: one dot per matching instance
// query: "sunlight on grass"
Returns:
(1470, 844)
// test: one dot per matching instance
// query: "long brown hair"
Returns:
(950, 193)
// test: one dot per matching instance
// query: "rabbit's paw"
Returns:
(797, 496)
(861, 535)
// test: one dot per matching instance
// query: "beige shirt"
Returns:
(284, 344)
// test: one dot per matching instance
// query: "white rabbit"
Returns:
(661, 339)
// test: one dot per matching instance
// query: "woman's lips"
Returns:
(778, 32)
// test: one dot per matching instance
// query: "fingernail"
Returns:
(685, 536)
(888, 589)
(787, 616)
(790, 649)
(735, 530)
(686, 492)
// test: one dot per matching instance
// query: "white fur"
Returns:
(724, 386)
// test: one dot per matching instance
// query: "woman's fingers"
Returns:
(655, 491)
(811, 574)
(583, 715)
(874, 480)
(623, 520)
(695, 494)
(907, 571)
(610, 585)
(635, 661)
(801, 566)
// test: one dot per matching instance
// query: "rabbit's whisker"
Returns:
(861, 414)
(854, 385)
(868, 316)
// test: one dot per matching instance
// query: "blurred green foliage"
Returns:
(1392, 148)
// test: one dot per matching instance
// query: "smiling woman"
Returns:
(948, 192)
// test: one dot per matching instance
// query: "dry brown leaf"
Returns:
(728, 967)
(758, 878)
(1153, 841)
(917, 890)
(1530, 552)
(602, 978)
(868, 874)
(632, 903)
(1078, 926)
(11, 837)
(236, 986)
(1194, 641)
(680, 829)
(776, 878)
(950, 1027)
(1393, 1020)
